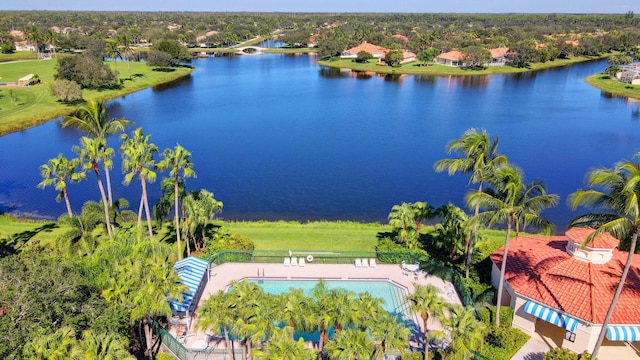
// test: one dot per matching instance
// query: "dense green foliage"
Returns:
(87, 71)
(564, 354)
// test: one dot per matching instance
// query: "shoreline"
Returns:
(38, 116)
(615, 88)
(415, 68)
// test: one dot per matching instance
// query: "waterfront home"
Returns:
(629, 73)
(451, 58)
(375, 50)
(499, 56)
(561, 289)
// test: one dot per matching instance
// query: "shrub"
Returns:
(363, 57)
(488, 315)
(565, 354)
(164, 357)
(159, 59)
(502, 343)
(66, 90)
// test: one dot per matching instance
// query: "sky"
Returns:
(336, 6)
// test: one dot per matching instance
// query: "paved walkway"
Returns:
(532, 349)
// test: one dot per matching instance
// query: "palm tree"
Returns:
(422, 212)
(389, 334)
(35, 37)
(453, 230)
(114, 52)
(620, 199)
(56, 172)
(93, 120)
(467, 333)
(102, 346)
(91, 153)
(480, 157)
(79, 239)
(198, 208)
(426, 302)
(177, 160)
(56, 346)
(217, 315)
(51, 37)
(124, 43)
(137, 154)
(281, 346)
(350, 344)
(402, 217)
(293, 305)
(515, 204)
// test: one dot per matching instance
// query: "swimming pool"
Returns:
(392, 294)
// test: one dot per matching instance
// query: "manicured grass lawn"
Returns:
(312, 236)
(267, 235)
(24, 230)
(415, 68)
(26, 106)
(613, 86)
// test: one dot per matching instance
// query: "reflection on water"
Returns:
(173, 84)
(333, 73)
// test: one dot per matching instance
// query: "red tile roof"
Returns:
(498, 52)
(539, 268)
(370, 48)
(603, 241)
(452, 55)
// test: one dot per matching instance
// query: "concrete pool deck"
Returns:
(221, 276)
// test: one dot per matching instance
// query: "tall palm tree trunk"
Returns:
(472, 241)
(146, 205)
(104, 198)
(425, 318)
(176, 211)
(107, 178)
(623, 278)
(140, 207)
(148, 337)
(503, 269)
(67, 202)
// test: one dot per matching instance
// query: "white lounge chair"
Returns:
(358, 262)
(372, 262)
(287, 261)
(301, 262)
(365, 263)
(294, 261)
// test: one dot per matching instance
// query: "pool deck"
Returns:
(222, 275)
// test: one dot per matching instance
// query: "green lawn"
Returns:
(415, 68)
(311, 236)
(606, 83)
(27, 106)
(267, 235)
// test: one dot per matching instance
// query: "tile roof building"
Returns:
(562, 289)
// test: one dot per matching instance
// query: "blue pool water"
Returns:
(392, 294)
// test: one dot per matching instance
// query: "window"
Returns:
(571, 336)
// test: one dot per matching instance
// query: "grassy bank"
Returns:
(415, 68)
(311, 236)
(613, 86)
(267, 235)
(27, 106)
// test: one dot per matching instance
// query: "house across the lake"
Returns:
(457, 59)
(562, 289)
(376, 51)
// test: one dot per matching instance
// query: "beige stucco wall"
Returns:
(586, 335)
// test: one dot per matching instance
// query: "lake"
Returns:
(279, 137)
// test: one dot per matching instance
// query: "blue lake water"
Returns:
(278, 137)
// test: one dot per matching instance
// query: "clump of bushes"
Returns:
(501, 343)
(565, 354)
